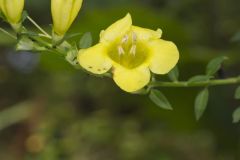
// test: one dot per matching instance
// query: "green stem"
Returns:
(7, 33)
(218, 82)
(38, 27)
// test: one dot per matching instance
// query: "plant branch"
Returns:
(7, 33)
(216, 82)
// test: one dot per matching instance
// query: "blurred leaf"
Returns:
(26, 44)
(2, 16)
(160, 100)
(201, 103)
(236, 37)
(15, 114)
(174, 74)
(236, 115)
(214, 65)
(86, 41)
(199, 78)
(237, 93)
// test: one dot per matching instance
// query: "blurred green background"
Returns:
(50, 111)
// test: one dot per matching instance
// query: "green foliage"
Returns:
(236, 115)
(24, 16)
(201, 102)
(15, 114)
(236, 37)
(86, 41)
(199, 78)
(214, 65)
(237, 93)
(160, 100)
(174, 74)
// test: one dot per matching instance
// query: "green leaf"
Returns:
(214, 65)
(199, 78)
(201, 103)
(26, 44)
(160, 100)
(174, 74)
(236, 115)
(236, 37)
(24, 16)
(237, 93)
(2, 16)
(86, 41)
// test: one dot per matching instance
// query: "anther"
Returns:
(125, 39)
(121, 51)
(134, 37)
(133, 50)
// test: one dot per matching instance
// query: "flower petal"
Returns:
(95, 59)
(131, 80)
(146, 34)
(165, 56)
(117, 29)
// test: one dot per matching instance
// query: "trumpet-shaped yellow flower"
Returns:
(131, 52)
(63, 13)
(12, 9)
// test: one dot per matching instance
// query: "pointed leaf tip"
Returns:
(201, 103)
(160, 100)
(214, 65)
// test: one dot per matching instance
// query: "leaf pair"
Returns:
(200, 103)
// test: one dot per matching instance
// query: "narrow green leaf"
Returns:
(86, 41)
(174, 74)
(160, 100)
(201, 103)
(237, 93)
(236, 115)
(199, 78)
(214, 65)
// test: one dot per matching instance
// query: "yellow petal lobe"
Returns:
(164, 54)
(146, 34)
(131, 80)
(117, 30)
(95, 59)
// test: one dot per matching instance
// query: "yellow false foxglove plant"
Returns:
(64, 13)
(12, 10)
(131, 52)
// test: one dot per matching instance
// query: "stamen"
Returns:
(125, 39)
(134, 37)
(133, 50)
(121, 50)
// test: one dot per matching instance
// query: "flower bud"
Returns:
(12, 10)
(63, 14)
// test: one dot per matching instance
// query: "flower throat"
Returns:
(129, 52)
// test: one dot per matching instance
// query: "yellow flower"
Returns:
(63, 13)
(12, 9)
(131, 52)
